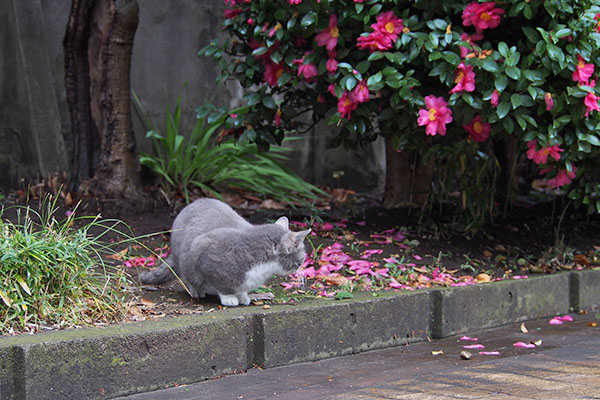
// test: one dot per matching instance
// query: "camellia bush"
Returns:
(446, 79)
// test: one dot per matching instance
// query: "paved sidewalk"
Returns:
(565, 366)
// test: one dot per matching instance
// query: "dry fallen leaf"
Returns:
(524, 328)
(483, 278)
(465, 355)
(593, 324)
(487, 254)
(537, 343)
(499, 247)
(581, 259)
(333, 280)
(272, 205)
(266, 307)
(437, 352)
(146, 302)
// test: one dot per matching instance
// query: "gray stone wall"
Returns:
(34, 117)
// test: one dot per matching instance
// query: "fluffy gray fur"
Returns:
(216, 251)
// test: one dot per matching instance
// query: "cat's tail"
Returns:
(160, 274)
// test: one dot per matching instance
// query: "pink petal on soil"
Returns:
(299, 224)
(382, 272)
(417, 257)
(128, 264)
(309, 272)
(555, 321)
(327, 227)
(361, 223)
(474, 346)
(471, 339)
(520, 277)
(489, 353)
(390, 260)
(566, 318)
(524, 345)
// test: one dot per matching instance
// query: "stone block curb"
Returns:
(132, 358)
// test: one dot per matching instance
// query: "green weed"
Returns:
(53, 275)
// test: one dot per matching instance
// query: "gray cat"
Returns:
(216, 251)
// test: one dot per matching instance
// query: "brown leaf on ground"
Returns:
(271, 205)
(524, 328)
(483, 278)
(146, 302)
(581, 259)
(333, 280)
(487, 254)
(118, 256)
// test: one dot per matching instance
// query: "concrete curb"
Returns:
(132, 358)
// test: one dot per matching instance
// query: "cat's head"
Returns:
(291, 247)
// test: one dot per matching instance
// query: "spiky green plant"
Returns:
(200, 160)
(52, 274)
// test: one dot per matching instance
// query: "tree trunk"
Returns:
(506, 153)
(407, 183)
(98, 44)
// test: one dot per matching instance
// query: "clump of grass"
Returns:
(52, 273)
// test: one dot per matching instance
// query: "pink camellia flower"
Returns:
(329, 36)
(332, 66)
(294, 2)
(478, 131)
(389, 25)
(435, 116)
(591, 101)
(583, 71)
(464, 77)
(232, 12)
(346, 105)
(541, 156)
(482, 15)
(549, 101)
(471, 40)
(331, 89)
(272, 72)
(562, 178)
(360, 1)
(308, 71)
(597, 18)
(360, 93)
(375, 41)
(278, 117)
(495, 98)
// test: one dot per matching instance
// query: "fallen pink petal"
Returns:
(524, 345)
(474, 346)
(471, 339)
(489, 353)
(566, 318)
(555, 321)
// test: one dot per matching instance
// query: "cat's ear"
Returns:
(283, 222)
(291, 241)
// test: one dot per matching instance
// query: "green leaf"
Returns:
(503, 49)
(260, 51)
(269, 102)
(309, 19)
(291, 22)
(592, 139)
(375, 9)
(531, 34)
(555, 52)
(515, 100)
(490, 65)
(513, 72)
(508, 124)
(343, 295)
(501, 82)
(503, 109)
(376, 55)
(374, 80)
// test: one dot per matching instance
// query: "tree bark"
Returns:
(407, 183)
(98, 45)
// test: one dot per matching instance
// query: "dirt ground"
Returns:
(401, 249)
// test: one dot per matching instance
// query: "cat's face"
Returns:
(291, 247)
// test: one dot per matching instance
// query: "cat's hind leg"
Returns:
(243, 298)
(230, 300)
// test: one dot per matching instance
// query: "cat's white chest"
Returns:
(259, 273)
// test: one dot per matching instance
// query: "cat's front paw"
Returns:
(243, 298)
(229, 300)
